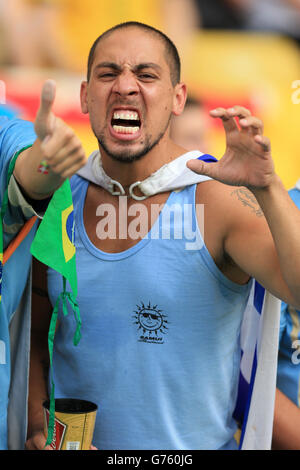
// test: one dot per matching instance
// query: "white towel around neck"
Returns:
(171, 176)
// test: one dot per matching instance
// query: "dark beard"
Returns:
(126, 155)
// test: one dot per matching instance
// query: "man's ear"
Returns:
(83, 97)
(180, 94)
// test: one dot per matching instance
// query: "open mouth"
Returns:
(125, 122)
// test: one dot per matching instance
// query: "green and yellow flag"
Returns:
(54, 246)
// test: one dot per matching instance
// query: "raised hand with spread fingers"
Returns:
(247, 159)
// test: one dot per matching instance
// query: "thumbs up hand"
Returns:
(61, 149)
(45, 120)
(56, 154)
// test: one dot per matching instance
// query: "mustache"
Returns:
(125, 102)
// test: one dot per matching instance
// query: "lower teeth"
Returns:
(125, 130)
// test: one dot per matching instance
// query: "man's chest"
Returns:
(116, 223)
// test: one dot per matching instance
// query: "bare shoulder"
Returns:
(232, 217)
(230, 209)
(228, 201)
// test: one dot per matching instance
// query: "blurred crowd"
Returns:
(57, 35)
(31, 35)
(277, 16)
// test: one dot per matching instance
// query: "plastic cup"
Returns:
(74, 423)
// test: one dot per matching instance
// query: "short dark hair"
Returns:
(172, 55)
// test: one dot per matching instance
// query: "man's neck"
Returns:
(128, 173)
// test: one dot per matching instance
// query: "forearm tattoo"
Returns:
(247, 199)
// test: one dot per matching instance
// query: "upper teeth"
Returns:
(126, 115)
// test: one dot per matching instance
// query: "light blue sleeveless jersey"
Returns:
(160, 350)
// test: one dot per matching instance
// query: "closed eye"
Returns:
(146, 76)
(107, 75)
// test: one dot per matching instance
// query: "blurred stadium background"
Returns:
(222, 63)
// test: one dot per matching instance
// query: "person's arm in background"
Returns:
(286, 427)
(56, 145)
(39, 358)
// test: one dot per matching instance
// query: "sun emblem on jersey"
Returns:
(151, 323)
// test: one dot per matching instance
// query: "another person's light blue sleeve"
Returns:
(288, 372)
(15, 135)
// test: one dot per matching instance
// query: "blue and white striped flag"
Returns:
(258, 369)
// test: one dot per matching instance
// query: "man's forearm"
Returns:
(283, 218)
(39, 366)
(36, 184)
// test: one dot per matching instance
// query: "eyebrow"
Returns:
(147, 65)
(136, 68)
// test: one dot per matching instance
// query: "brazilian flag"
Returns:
(54, 246)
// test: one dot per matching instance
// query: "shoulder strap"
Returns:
(18, 239)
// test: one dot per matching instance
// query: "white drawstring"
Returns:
(116, 193)
(131, 193)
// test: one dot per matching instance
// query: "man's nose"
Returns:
(126, 84)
